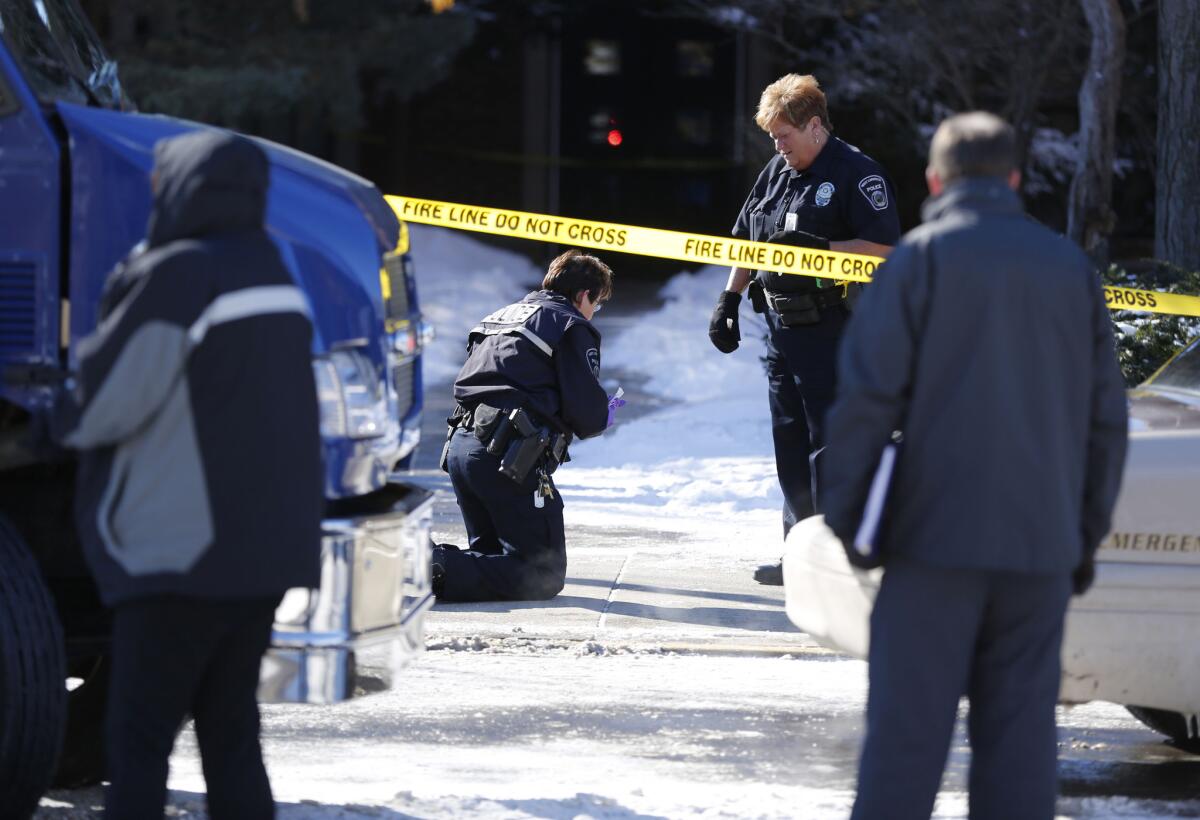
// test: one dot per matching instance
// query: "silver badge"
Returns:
(824, 194)
(789, 222)
(874, 189)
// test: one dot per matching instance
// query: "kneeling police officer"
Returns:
(530, 384)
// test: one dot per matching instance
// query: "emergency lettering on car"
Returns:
(711, 250)
(1151, 542)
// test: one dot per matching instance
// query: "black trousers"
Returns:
(938, 634)
(172, 657)
(516, 551)
(801, 383)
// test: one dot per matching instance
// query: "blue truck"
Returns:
(75, 160)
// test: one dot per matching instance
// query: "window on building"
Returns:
(694, 58)
(602, 57)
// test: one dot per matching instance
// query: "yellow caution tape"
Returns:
(706, 250)
(611, 236)
(1151, 301)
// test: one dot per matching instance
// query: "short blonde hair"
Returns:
(794, 99)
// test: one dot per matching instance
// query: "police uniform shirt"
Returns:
(843, 195)
(557, 377)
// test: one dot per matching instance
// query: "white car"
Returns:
(1134, 638)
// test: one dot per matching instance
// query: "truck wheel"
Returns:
(32, 694)
(1172, 724)
(82, 760)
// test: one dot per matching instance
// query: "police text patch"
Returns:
(593, 360)
(874, 189)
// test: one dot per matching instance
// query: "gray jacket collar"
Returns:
(975, 194)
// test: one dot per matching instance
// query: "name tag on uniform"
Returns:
(789, 222)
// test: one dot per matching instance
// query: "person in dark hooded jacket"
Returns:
(540, 356)
(985, 347)
(200, 484)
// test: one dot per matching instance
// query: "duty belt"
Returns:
(521, 439)
(824, 298)
(799, 308)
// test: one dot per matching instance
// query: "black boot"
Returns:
(437, 567)
(770, 574)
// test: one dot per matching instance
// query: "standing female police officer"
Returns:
(531, 381)
(817, 192)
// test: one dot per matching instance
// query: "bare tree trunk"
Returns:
(1090, 216)
(1029, 80)
(1176, 215)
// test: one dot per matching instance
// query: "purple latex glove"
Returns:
(614, 401)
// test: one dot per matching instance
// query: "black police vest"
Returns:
(498, 362)
(542, 318)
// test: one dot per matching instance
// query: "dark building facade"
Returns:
(602, 111)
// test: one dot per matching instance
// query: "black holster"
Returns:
(526, 445)
(758, 296)
(444, 461)
(461, 417)
(795, 309)
(559, 442)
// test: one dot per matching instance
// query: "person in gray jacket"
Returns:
(985, 347)
(199, 494)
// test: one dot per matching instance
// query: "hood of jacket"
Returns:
(207, 182)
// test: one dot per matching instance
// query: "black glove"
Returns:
(801, 239)
(1084, 574)
(723, 328)
(846, 536)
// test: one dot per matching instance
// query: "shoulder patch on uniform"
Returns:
(593, 360)
(875, 190)
(824, 194)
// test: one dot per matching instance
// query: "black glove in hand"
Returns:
(1084, 575)
(846, 535)
(723, 328)
(801, 239)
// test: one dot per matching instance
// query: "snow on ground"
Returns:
(459, 281)
(707, 454)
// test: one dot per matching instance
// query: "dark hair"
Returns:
(975, 144)
(574, 271)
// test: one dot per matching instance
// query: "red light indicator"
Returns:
(614, 137)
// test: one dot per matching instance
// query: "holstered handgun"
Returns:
(500, 437)
(526, 450)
